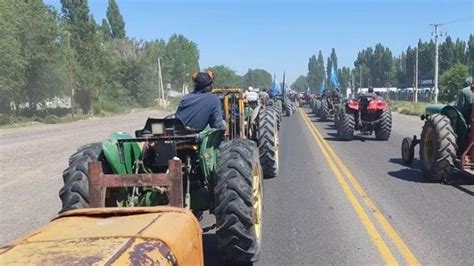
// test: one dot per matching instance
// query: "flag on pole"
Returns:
(308, 90)
(334, 80)
(276, 90)
(321, 89)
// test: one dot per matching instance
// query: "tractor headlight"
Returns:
(157, 129)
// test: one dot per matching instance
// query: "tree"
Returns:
(257, 78)
(300, 84)
(105, 30)
(225, 76)
(312, 76)
(453, 80)
(470, 51)
(181, 60)
(344, 75)
(115, 19)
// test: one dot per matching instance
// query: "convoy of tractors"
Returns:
(138, 199)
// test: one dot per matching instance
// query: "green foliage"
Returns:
(257, 78)
(180, 61)
(452, 81)
(300, 84)
(225, 77)
(117, 25)
(316, 73)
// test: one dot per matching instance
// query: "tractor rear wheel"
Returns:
(288, 108)
(239, 197)
(437, 148)
(279, 107)
(346, 124)
(268, 142)
(75, 192)
(276, 115)
(384, 127)
(317, 107)
(324, 112)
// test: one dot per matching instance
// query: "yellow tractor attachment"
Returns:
(112, 236)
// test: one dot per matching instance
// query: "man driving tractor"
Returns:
(200, 107)
(465, 100)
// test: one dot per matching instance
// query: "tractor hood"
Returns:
(123, 236)
(434, 109)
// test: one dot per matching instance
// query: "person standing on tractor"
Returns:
(465, 100)
(200, 107)
(264, 96)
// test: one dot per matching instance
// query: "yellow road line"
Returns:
(394, 237)
(364, 218)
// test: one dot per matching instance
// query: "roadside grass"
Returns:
(408, 108)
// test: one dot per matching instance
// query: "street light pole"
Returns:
(416, 76)
(436, 34)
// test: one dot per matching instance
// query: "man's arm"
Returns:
(216, 118)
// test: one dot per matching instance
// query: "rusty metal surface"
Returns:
(112, 236)
(99, 182)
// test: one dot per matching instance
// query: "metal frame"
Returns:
(99, 182)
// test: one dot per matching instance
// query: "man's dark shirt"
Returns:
(199, 109)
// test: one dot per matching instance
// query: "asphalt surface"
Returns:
(309, 217)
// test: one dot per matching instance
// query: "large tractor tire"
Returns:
(317, 107)
(239, 198)
(437, 148)
(324, 112)
(276, 115)
(268, 142)
(75, 192)
(346, 124)
(384, 127)
(288, 108)
(279, 108)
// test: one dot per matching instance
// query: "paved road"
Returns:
(310, 220)
(365, 209)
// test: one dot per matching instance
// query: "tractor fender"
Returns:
(112, 236)
(121, 159)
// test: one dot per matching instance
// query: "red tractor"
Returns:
(366, 114)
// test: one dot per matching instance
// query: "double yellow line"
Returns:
(334, 161)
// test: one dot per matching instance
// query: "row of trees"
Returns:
(378, 67)
(45, 53)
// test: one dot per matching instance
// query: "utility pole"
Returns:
(416, 76)
(436, 35)
(161, 93)
(69, 71)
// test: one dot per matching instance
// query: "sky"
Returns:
(281, 35)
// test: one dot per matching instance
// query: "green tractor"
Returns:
(169, 164)
(446, 143)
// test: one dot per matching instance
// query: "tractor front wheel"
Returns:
(408, 150)
(239, 197)
(437, 148)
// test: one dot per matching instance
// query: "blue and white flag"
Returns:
(334, 80)
(276, 89)
(321, 89)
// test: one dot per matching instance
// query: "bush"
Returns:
(109, 106)
(51, 119)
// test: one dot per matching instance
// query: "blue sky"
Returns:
(283, 34)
